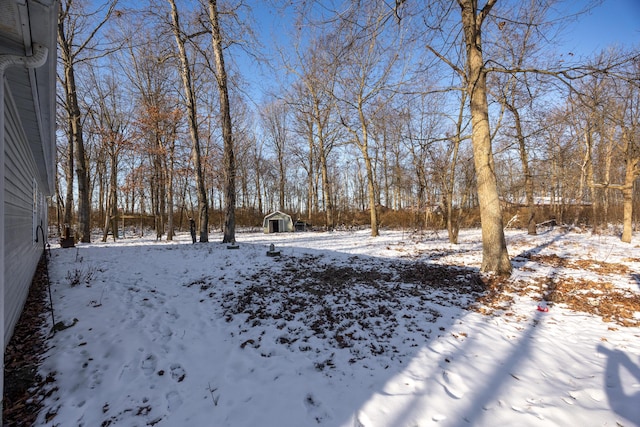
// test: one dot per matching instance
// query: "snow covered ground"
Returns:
(343, 329)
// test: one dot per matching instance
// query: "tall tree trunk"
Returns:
(258, 180)
(227, 136)
(372, 196)
(627, 204)
(310, 187)
(588, 168)
(453, 224)
(163, 192)
(84, 205)
(388, 199)
(528, 179)
(586, 160)
(185, 74)
(453, 221)
(103, 188)
(170, 190)
(75, 122)
(326, 188)
(371, 187)
(281, 180)
(495, 257)
(111, 211)
(632, 171)
(68, 203)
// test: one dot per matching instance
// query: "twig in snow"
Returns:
(213, 397)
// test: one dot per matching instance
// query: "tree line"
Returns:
(436, 110)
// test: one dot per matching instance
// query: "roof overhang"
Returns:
(28, 31)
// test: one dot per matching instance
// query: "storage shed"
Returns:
(277, 222)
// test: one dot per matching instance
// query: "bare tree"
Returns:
(274, 121)
(227, 131)
(192, 118)
(520, 45)
(316, 106)
(367, 59)
(75, 23)
(448, 173)
(109, 120)
(610, 134)
(626, 116)
(495, 257)
(473, 73)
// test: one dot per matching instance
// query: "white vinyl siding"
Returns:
(20, 202)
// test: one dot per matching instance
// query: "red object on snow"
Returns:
(543, 308)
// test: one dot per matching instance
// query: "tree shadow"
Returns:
(526, 254)
(358, 372)
(296, 307)
(619, 366)
(476, 408)
(551, 282)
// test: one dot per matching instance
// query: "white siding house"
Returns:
(27, 159)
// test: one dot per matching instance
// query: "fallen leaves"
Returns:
(600, 297)
(24, 389)
(362, 306)
(600, 267)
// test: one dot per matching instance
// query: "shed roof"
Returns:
(277, 214)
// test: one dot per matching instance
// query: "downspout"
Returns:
(37, 59)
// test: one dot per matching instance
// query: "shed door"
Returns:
(274, 226)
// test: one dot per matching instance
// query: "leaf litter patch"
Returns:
(366, 307)
(567, 286)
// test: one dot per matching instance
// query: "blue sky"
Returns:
(613, 22)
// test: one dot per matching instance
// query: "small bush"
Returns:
(80, 275)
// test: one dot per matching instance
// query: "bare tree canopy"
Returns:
(344, 114)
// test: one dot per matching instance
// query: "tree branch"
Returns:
(447, 61)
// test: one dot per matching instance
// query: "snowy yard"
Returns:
(345, 330)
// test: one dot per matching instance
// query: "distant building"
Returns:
(277, 222)
(542, 201)
(301, 225)
(27, 158)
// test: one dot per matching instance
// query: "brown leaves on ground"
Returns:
(24, 389)
(600, 297)
(366, 305)
(599, 267)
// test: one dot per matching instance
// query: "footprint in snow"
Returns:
(528, 410)
(177, 372)
(454, 385)
(174, 401)
(96, 376)
(172, 313)
(595, 394)
(135, 317)
(149, 364)
(315, 408)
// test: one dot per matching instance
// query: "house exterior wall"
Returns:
(2, 145)
(24, 212)
(27, 147)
